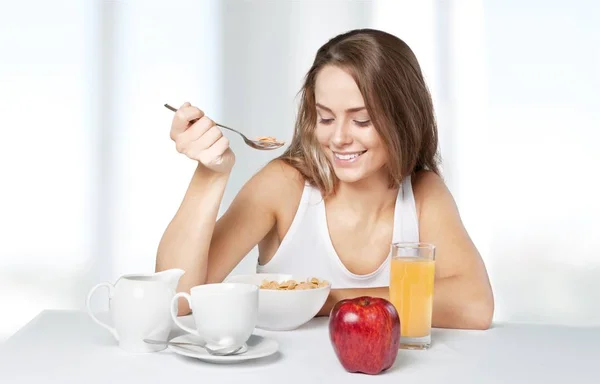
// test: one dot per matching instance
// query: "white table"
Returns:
(67, 347)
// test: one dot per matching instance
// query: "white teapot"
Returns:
(140, 308)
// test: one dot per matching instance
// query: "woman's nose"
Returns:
(341, 136)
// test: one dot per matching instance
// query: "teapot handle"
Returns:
(91, 313)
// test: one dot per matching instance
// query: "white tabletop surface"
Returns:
(67, 347)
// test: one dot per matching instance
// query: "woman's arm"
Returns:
(463, 295)
(186, 240)
(479, 316)
(208, 252)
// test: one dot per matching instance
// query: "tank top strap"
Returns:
(406, 222)
(305, 201)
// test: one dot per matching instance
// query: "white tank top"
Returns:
(307, 250)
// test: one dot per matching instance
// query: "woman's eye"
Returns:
(325, 121)
(364, 123)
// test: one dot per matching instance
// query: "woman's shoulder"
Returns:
(429, 188)
(279, 173)
(283, 186)
(278, 182)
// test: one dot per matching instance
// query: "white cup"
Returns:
(225, 314)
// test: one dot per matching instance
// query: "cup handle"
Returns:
(174, 308)
(91, 313)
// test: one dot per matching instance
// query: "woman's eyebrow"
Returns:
(354, 109)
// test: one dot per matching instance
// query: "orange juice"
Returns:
(411, 292)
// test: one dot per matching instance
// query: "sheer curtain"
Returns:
(90, 178)
(48, 155)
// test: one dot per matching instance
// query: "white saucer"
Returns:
(258, 346)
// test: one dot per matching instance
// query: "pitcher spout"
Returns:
(170, 276)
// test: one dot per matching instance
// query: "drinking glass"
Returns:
(411, 291)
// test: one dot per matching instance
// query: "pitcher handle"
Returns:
(91, 313)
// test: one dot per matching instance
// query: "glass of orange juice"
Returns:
(411, 291)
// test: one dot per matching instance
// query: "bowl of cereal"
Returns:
(285, 302)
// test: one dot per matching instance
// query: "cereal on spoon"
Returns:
(268, 140)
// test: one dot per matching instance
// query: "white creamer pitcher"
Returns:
(140, 308)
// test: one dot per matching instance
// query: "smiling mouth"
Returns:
(348, 156)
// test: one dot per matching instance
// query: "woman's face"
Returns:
(344, 128)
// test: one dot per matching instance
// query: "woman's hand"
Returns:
(197, 137)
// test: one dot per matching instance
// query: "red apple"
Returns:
(365, 334)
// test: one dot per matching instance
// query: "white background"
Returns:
(89, 178)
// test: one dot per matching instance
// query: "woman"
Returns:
(360, 173)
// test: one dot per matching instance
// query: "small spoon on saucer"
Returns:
(217, 352)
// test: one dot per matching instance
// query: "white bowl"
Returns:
(282, 310)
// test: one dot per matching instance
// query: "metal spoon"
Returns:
(217, 352)
(256, 144)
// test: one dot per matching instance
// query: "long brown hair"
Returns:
(397, 99)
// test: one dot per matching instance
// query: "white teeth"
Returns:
(348, 156)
